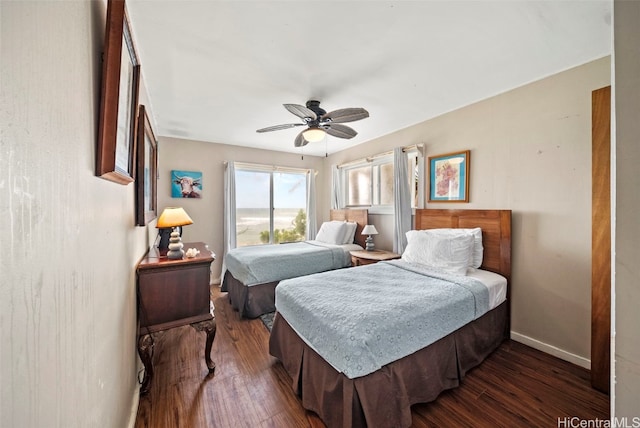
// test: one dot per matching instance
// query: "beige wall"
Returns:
(626, 377)
(69, 244)
(208, 158)
(531, 153)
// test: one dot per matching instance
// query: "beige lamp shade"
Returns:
(173, 217)
(369, 230)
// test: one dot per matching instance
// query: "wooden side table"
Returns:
(364, 257)
(173, 293)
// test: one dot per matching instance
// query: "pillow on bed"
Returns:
(475, 261)
(349, 232)
(332, 232)
(449, 254)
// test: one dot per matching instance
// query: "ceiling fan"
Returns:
(319, 122)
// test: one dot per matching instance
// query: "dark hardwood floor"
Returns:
(515, 387)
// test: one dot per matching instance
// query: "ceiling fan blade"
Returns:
(279, 127)
(346, 115)
(301, 111)
(300, 141)
(340, 131)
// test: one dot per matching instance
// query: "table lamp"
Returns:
(173, 217)
(369, 230)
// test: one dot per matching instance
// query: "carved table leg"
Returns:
(209, 327)
(145, 350)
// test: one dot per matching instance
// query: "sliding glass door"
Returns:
(270, 205)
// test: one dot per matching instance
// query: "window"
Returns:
(359, 187)
(270, 205)
(369, 183)
(416, 178)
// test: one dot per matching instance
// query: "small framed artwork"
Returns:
(186, 184)
(146, 170)
(449, 177)
(119, 102)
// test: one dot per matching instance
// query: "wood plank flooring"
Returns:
(515, 387)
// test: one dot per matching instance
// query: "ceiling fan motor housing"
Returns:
(314, 106)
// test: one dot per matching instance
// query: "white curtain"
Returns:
(229, 237)
(312, 227)
(336, 191)
(401, 200)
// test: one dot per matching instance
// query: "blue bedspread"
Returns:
(362, 318)
(267, 263)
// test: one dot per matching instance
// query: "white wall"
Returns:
(69, 244)
(626, 386)
(209, 158)
(531, 153)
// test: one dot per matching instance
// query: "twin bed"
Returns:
(364, 344)
(253, 272)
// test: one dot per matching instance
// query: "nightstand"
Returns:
(364, 257)
(173, 293)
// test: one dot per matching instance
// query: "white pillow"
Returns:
(349, 232)
(331, 232)
(477, 252)
(445, 253)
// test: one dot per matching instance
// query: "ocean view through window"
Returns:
(270, 205)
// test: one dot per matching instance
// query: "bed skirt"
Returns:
(384, 398)
(250, 301)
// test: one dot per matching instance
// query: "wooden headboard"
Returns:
(496, 238)
(496, 232)
(360, 216)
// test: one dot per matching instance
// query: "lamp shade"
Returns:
(313, 135)
(173, 217)
(369, 230)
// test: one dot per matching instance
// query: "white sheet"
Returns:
(495, 283)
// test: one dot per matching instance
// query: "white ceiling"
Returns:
(216, 71)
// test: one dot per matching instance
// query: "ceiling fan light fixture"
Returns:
(314, 135)
(319, 123)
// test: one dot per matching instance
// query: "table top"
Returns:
(375, 254)
(155, 258)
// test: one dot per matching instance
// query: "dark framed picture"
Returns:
(118, 106)
(146, 170)
(449, 177)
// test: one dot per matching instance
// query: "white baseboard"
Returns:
(134, 406)
(135, 400)
(552, 350)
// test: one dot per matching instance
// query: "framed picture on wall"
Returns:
(115, 153)
(449, 177)
(146, 170)
(186, 184)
